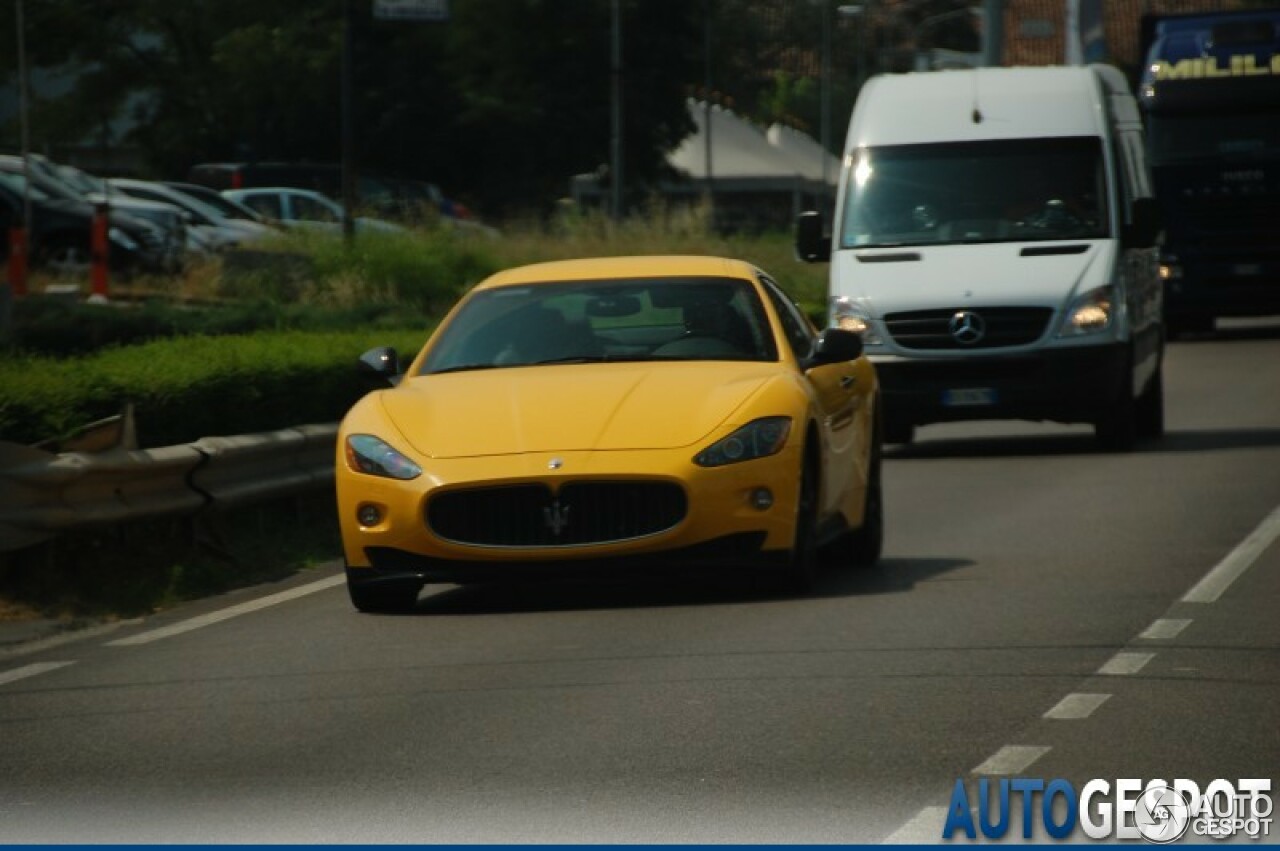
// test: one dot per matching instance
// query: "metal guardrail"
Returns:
(42, 493)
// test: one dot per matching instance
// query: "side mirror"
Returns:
(381, 364)
(1144, 224)
(836, 345)
(813, 244)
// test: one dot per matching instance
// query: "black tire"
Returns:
(802, 567)
(1184, 325)
(867, 541)
(1150, 409)
(898, 432)
(1117, 430)
(383, 597)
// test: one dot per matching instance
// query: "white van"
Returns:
(994, 243)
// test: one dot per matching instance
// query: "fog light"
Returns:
(369, 515)
(762, 499)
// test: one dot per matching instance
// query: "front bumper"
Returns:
(720, 519)
(1069, 385)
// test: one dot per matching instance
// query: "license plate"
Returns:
(969, 397)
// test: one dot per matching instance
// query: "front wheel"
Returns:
(861, 547)
(1150, 407)
(1117, 429)
(802, 564)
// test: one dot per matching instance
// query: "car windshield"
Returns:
(17, 183)
(599, 321)
(1018, 190)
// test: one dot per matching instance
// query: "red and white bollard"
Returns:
(17, 273)
(99, 253)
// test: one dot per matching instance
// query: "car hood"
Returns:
(570, 407)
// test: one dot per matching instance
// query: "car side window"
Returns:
(312, 210)
(798, 332)
(266, 205)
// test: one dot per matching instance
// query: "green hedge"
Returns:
(192, 387)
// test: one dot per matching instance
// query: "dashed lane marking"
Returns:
(1075, 707)
(1165, 628)
(1124, 663)
(1012, 759)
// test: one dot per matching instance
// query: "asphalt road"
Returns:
(1028, 620)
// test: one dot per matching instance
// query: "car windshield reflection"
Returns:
(670, 319)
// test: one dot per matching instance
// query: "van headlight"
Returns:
(1090, 313)
(845, 314)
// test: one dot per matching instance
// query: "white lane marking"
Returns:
(1011, 759)
(1126, 663)
(925, 827)
(1165, 628)
(227, 614)
(1220, 577)
(31, 671)
(1075, 707)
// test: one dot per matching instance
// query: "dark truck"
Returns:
(1210, 91)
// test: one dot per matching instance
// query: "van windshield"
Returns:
(1017, 190)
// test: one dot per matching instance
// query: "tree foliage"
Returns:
(500, 105)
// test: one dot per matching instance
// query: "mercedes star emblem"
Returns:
(967, 327)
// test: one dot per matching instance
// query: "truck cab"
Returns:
(1211, 97)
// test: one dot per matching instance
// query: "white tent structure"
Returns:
(754, 177)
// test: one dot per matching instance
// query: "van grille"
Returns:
(1002, 326)
(532, 515)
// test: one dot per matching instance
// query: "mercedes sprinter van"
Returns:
(994, 243)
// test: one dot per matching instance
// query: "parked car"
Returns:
(167, 239)
(303, 208)
(595, 412)
(214, 198)
(219, 231)
(59, 235)
(398, 198)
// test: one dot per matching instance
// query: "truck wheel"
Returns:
(899, 432)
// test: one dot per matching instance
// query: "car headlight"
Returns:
(1170, 270)
(845, 314)
(756, 439)
(1090, 313)
(122, 239)
(368, 454)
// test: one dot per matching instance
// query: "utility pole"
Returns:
(616, 111)
(348, 128)
(992, 32)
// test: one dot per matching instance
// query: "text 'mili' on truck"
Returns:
(1211, 93)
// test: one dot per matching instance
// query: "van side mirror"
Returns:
(813, 244)
(1144, 225)
(836, 345)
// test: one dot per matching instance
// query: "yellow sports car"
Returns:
(593, 412)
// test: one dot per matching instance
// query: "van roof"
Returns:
(936, 106)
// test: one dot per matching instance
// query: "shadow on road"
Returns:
(664, 589)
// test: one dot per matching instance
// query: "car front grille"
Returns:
(1002, 326)
(578, 513)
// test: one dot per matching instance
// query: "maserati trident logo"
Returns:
(556, 517)
(967, 327)
(555, 463)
